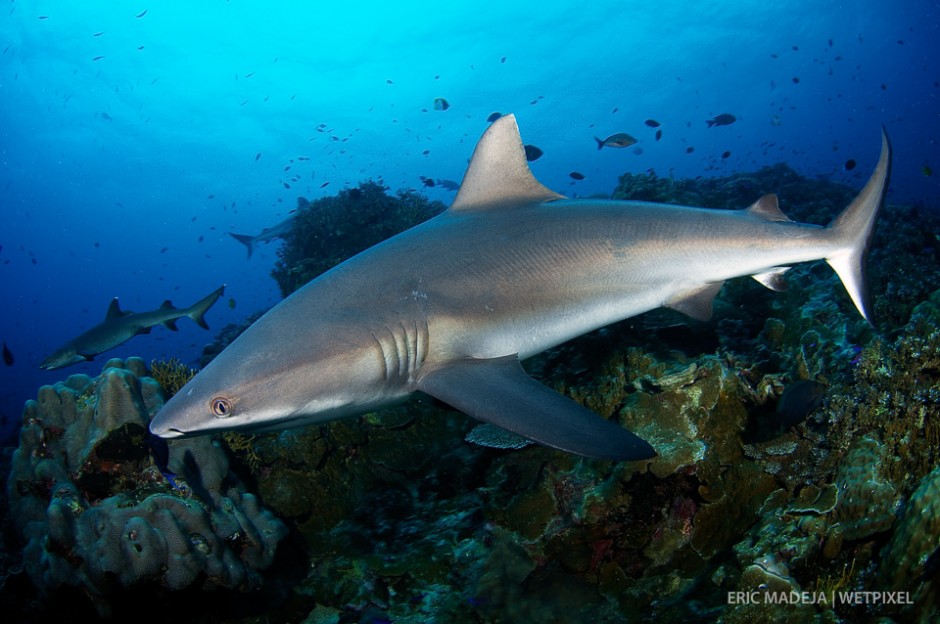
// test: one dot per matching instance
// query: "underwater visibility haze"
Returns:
(145, 147)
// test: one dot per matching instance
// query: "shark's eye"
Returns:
(221, 407)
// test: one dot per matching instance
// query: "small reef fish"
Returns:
(160, 452)
(441, 104)
(620, 139)
(724, 119)
(450, 185)
(532, 153)
(7, 355)
(493, 117)
(576, 175)
(798, 401)
(652, 123)
(408, 314)
(119, 326)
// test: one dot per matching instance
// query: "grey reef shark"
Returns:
(119, 326)
(451, 306)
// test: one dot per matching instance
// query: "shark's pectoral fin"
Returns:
(499, 391)
(696, 303)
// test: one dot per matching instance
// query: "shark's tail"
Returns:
(852, 230)
(199, 309)
(244, 239)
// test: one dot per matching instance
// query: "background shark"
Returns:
(266, 235)
(120, 326)
(451, 306)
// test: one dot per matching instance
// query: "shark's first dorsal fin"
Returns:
(498, 173)
(114, 311)
(768, 208)
(167, 305)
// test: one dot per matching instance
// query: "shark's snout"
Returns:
(161, 430)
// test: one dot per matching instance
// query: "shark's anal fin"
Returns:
(499, 391)
(773, 279)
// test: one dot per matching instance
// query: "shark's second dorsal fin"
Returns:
(767, 207)
(114, 311)
(498, 173)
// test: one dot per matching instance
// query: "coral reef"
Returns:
(330, 229)
(171, 375)
(910, 558)
(422, 524)
(402, 519)
(96, 511)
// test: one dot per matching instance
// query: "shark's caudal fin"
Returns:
(199, 309)
(244, 239)
(853, 230)
(499, 391)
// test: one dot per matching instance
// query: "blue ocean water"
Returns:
(135, 137)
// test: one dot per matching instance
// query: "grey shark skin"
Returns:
(451, 306)
(119, 326)
(266, 235)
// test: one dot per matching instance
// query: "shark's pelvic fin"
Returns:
(854, 226)
(498, 173)
(696, 303)
(499, 391)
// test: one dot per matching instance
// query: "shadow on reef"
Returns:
(798, 456)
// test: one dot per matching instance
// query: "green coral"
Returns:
(171, 374)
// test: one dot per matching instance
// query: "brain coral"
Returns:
(95, 511)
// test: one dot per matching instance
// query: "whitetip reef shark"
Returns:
(451, 306)
(119, 326)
